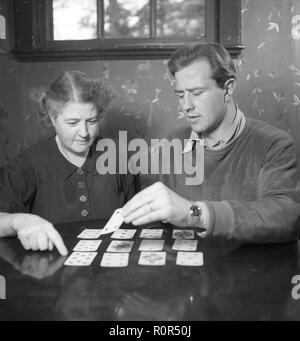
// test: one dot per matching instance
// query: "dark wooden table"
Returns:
(249, 282)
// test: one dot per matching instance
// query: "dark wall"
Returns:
(268, 83)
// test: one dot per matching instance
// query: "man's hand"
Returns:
(37, 233)
(157, 203)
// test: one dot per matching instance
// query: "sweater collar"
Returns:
(234, 131)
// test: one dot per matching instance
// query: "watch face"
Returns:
(195, 211)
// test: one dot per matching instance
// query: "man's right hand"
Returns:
(36, 233)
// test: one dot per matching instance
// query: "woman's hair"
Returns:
(221, 63)
(72, 86)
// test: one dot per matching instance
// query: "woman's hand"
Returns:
(36, 233)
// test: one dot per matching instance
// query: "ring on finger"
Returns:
(150, 208)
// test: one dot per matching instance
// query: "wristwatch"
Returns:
(195, 213)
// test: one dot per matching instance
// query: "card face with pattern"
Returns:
(115, 221)
(183, 234)
(151, 245)
(120, 246)
(123, 234)
(185, 245)
(87, 245)
(81, 258)
(152, 258)
(151, 233)
(114, 259)
(90, 234)
(189, 258)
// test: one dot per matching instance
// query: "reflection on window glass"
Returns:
(126, 18)
(74, 19)
(180, 18)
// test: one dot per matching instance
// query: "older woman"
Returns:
(57, 180)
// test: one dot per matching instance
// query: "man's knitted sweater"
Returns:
(250, 186)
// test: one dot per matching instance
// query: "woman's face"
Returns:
(77, 127)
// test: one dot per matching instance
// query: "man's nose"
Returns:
(187, 103)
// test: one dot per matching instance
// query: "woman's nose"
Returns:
(83, 130)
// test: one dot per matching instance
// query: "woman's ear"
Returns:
(52, 119)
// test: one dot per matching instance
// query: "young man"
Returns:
(250, 174)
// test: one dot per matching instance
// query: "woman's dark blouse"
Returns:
(42, 181)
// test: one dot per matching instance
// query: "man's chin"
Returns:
(197, 128)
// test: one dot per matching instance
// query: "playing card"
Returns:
(90, 234)
(123, 234)
(115, 221)
(81, 258)
(185, 245)
(183, 234)
(152, 258)
(120, 246)
(189, 258)
(151, 245)
(151, 233)
(87, 245)
(114, 259)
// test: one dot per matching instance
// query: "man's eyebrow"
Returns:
(192, 89)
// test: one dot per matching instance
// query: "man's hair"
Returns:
(221, 63)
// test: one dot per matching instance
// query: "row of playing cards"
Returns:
(146, 258)
(145, 245)
(129, 233)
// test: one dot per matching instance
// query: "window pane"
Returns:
(126, 19)
(180, 18)
(74, 19)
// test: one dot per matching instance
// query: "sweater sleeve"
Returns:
(273, 216)
(17, 185)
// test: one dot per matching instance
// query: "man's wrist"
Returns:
(199, 216)
(195, 213)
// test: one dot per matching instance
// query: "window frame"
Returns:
(33, 42)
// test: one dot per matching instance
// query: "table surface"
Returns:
(236, 282)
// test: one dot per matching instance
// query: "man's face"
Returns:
(200, 98)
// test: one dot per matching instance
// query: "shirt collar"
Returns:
(191, 142)
(66, 167)
(235, 130)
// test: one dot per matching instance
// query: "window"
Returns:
(127, 19)
(88, 29)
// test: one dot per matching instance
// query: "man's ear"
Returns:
(229, 87)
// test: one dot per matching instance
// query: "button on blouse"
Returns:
(43, 182)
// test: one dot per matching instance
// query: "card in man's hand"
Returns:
(115, 221)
